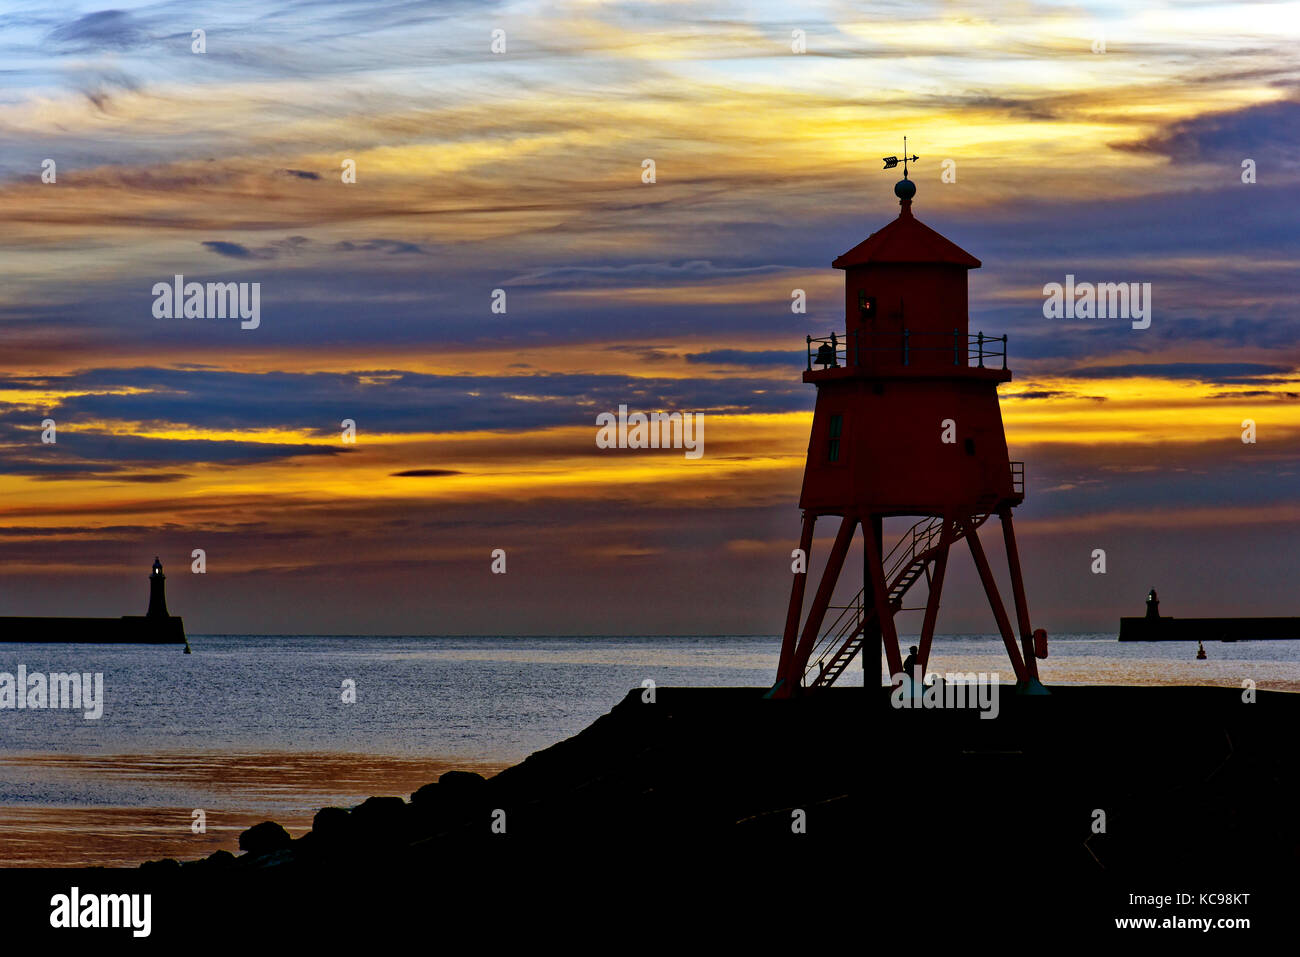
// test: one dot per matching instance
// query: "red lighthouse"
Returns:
(907, 423)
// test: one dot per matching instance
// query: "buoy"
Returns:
(187, 647)
(1200, 651)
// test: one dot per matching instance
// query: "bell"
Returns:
(826, 355)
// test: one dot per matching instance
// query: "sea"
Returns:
(192, 749)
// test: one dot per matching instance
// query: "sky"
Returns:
(1103, 141)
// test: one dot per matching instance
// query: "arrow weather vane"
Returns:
(892, 161)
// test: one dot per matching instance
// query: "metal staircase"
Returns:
(906, 562)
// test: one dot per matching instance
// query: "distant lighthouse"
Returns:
(157, 592)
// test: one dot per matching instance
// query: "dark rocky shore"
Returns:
(1198, 788)
(911, 815)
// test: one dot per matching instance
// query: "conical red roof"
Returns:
(906, 240)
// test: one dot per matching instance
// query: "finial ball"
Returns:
(904, 189)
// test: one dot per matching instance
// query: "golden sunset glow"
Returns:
(505, 267)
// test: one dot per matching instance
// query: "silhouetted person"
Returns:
(909, 663)
(827, 356)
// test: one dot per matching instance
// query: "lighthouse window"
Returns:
(866, 306)
(836, 427)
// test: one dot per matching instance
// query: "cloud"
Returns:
(382, 400)
(295, 244)
(102, 30)
(424, 473)
(1267, 133)
(1038, 394)
(621, 274)
(232, 250)
(644, 353)
(1255, 394)
(1219, 373)
(739, 357)
(390, 246)
(290, 244)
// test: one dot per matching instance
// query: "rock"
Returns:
(462, 783)
(426, 796)
(161, 867)
(331, 824)
(215, 861)
(380, 809)
(264, 838)
(379, 819)
(284, 855)
(456, 799)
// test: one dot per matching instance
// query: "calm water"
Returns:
(255, 725)
(485, 699)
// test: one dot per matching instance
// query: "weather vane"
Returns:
(892, 161)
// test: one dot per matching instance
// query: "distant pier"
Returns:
(156, 627)
(1209, 629)
(1156, 627)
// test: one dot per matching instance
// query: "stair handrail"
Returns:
(919, 543)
